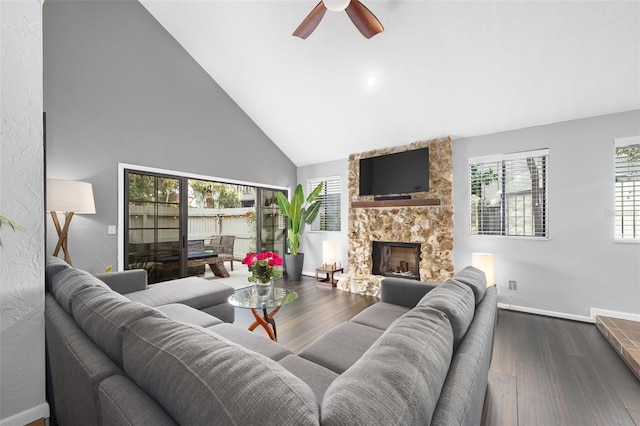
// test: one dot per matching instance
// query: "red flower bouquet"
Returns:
(263, 266)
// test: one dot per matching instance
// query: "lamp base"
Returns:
(63, 233)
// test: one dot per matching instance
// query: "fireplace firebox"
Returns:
(397, 259)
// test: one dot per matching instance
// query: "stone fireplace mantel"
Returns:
(426, 219)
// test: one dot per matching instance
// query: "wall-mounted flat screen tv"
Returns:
(398, 173)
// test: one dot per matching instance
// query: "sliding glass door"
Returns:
(171, 221)
(154, 225)
(272, 223)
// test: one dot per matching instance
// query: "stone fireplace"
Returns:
(396, 259)
(425, 221)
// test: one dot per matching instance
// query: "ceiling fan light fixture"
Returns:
(336, 5)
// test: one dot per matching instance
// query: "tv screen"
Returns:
(398, 173)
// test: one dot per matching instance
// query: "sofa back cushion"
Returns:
(457, 302)
(67, 283)
(462, 397)
(399, 379)
(475, 279)
(104, 315)
(201, 378)
(52, 267)
(75, 368)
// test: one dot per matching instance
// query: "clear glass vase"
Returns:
(264, 290)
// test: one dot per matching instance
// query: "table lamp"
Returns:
(484, 262)
(329, 255)
(68, 197)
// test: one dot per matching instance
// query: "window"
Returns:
(508, 194)
(328, 218)
(627, 189)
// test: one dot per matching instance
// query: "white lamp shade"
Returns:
(336, 5)
(328, 252)
(484, 262)
(70, 196)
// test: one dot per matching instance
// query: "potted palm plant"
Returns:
(299, 212)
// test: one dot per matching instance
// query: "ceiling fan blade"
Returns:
(311, 21)
(363, 19)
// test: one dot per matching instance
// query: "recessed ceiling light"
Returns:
(371, 81)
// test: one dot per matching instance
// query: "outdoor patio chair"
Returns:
(222, 244)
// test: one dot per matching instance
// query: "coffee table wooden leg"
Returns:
(267, 322)
(269, 319)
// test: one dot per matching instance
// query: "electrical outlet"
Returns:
(111, 229)
(513, 285)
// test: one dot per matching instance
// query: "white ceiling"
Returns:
(456, 68)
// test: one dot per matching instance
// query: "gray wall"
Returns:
(580, 266)
(119, 88)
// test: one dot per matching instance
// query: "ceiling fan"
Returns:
(362, 18)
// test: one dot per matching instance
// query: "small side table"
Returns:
(329, 278)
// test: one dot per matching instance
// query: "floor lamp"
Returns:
(68, 197)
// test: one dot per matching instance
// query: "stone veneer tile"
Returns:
(431, 226)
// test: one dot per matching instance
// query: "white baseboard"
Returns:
(614, 314)
(548, 313)
(31, 415)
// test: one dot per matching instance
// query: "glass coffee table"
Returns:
(248, 298)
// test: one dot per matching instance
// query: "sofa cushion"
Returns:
(403, 291)
(251, 340)
(456, 301)
(462, 398)
(53, 266)
(316, 376)
(380, 315)
(75, 368)
(122, 403)
(67, 283)
(399, 379)
(188, 315)
(200, 378)
(125, 281)
(475, 279)
(339, 348)
(193, 291)
(104, 316)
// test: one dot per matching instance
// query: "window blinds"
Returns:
(328, 218)
(508, 194)
(627, 189)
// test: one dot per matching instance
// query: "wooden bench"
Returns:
(215, 262)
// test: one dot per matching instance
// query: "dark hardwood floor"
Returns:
(549, 371)
(545, 371)
(317, 310)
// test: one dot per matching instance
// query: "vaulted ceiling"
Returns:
(457, 68)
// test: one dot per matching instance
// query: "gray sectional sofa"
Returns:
(419, 356)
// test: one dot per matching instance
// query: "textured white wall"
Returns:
(22, 366)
